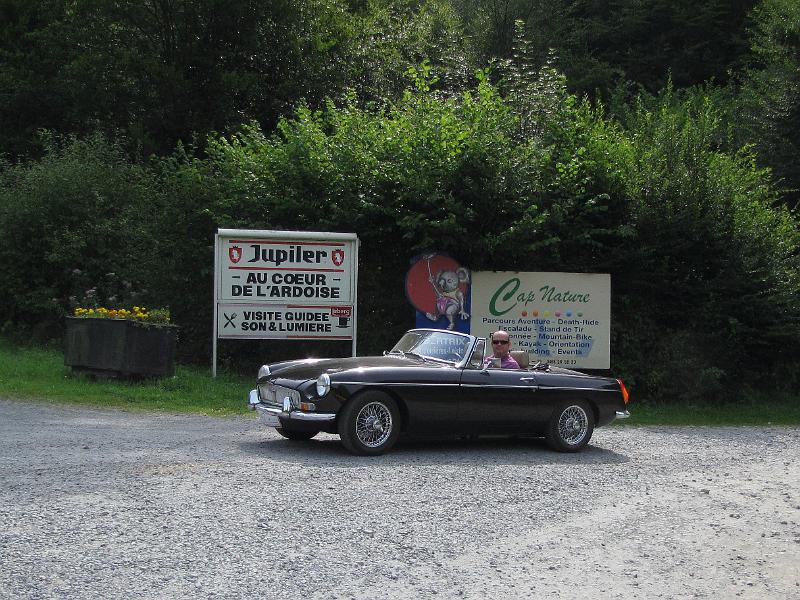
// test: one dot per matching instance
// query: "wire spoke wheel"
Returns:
(370, 423)
(573, 425)
(374, 424)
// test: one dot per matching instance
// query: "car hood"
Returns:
(311, 368)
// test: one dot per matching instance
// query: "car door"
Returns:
(498, 401)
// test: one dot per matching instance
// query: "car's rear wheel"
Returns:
(296, 436)
(571, 426)
(369, 424)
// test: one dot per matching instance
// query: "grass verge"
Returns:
(40, 374)
(775, 410)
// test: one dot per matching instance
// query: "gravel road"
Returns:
(113, 504)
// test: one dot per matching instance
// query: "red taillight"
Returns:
(623, 389)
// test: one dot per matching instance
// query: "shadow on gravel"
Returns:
(327, 451)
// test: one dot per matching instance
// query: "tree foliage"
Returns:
(716, 268)
(370, 116)
(71, 223)
(766, 104)
(161, 72)
(705, 269)
(601, 43)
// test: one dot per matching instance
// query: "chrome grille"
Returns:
(274, 394)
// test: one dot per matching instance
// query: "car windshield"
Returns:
(439, 345)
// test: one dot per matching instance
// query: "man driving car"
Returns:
(501, 352)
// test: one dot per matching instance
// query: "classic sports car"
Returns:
(433, 383)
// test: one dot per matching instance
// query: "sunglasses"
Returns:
(499, 342)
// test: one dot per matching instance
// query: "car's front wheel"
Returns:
(296, 436)
(571, 426)
(369, 424)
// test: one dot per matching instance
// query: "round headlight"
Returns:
(323, 384)
(263, 371)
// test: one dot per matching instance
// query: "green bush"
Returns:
(71, 225)
(712, 278)
(704, 267)
(455, 174)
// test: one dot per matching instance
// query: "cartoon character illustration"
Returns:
(449, 297)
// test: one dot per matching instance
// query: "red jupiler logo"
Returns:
(337, 256)
(235, 254)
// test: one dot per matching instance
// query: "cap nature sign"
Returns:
(561, 318)
(284, 285)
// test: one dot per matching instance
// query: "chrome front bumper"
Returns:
(271, 415)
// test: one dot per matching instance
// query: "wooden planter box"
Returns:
(118, 348)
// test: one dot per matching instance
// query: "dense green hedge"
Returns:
(71, 223)
(704, 267)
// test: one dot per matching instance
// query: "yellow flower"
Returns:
(139, 313)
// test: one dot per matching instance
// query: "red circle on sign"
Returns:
(419, 289)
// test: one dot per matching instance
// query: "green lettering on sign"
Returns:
(493, 308)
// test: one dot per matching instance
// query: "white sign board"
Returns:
(277, 271)
(285, 284)
(257, 321)
(563, 318)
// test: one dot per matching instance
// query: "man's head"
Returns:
(501, 344)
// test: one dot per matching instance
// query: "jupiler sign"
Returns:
(285, 285)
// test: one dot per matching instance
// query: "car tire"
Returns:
(571, 426)
(296, 436)
(369, 424)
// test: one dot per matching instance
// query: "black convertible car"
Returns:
(432, 383)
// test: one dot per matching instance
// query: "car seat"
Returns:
(522, 357)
